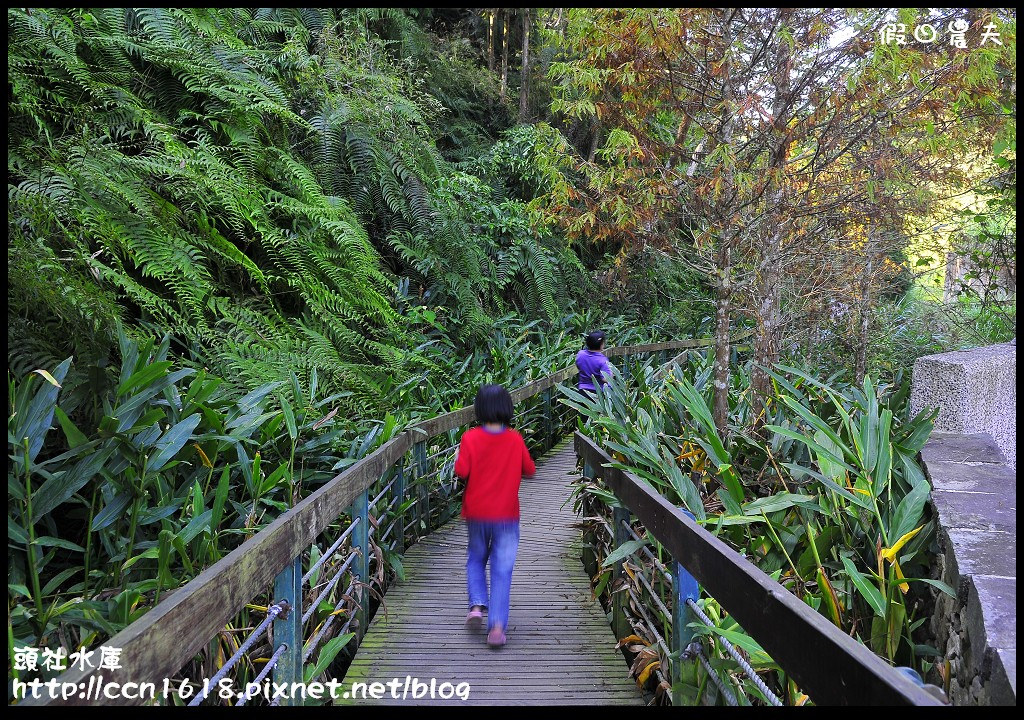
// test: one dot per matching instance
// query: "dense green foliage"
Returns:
(247, 246)
(832, 504)
(265, 186)
(325, 215)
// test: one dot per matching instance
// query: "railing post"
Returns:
(361, 565)
(399, 512)
(619, 599)
(447, 511)
(288, 629)
(547, 424)
(419, 451)
(684, 587)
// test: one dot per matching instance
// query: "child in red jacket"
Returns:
(493, 459)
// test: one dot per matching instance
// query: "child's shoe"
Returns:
(496, 637)
(475, 619)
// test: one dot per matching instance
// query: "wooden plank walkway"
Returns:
(560, 647)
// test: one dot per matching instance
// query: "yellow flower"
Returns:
(890, 552)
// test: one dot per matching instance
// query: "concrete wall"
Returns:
(974, 498)
(970, 461)
(975, 391)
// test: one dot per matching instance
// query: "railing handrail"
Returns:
(839, 670)
(161, 642)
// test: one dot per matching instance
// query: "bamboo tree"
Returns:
(505, 40)
(524, 76)
(491, 14)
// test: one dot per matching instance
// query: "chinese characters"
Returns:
(927, 34)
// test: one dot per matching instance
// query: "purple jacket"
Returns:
(592, 364)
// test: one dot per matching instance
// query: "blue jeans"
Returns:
(495, 541)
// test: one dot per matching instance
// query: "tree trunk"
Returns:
(524, 76)
(721, 370)
(491, 12)
(768, 286)
(726, 239)
(595, 138)
(768, 339)
(864, 313)
(504, 52)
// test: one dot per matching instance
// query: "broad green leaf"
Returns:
(172, 441)
(883, 449)
(833, 471)
(35, 422)
(910, 510)
(625, 550)
(73, 434)
(195, 525)
(179, 544)
(897, 613)
(741, 639)
(731, 506)
(60, 487)
(47, 541)
(934, 583)
(818, 424)
(16, 533)
(870, 593)
(780, 501)
(216, 513)
(289, 419)
(326, 656)
(252, 399)
(144, 376)
(812, 444)
(113, 510)
(18, 589)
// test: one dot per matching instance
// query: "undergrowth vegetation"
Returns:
(246, 247)
(830, 501)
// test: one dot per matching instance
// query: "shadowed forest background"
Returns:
(246, 247)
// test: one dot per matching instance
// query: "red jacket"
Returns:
(494, 464)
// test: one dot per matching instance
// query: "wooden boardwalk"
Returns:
(560, 647)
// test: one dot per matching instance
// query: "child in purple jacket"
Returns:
(592, 363)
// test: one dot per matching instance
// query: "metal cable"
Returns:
(442, 452)
(650, 624)
(263, 673)
(272, 612)
(308, 650)
(649, 553)
(332, 549)
(654, 596)
(730, 698)
(744, 665)
(382, 493)
(334, 581)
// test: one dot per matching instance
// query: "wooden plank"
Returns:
(555, 622)
(831, 667)
(671, 345)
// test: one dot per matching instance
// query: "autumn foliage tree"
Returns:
(778, 151)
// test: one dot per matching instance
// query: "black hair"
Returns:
(493, 404)
(595, 340)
